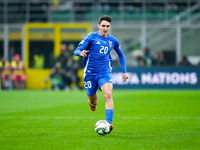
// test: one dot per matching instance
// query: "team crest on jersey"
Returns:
(110, 43)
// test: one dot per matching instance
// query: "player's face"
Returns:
(104, 27)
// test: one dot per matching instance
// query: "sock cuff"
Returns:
(109, 109)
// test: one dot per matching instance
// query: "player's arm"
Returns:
(80, 50)
(122, 61)
(121, 57)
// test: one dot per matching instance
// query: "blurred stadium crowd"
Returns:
(145, 58)
(12, 73)
(67, 72)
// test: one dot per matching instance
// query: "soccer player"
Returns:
(96, 48)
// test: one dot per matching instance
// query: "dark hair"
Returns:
(107, 18)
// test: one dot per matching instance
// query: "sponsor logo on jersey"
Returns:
(98, 42)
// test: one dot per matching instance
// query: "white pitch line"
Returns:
(160, 118)
(40, 117)
(75, 117)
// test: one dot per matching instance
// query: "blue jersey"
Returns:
(98, 58)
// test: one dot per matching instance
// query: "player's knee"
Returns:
(108, 95)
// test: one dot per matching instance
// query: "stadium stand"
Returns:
(89, 10)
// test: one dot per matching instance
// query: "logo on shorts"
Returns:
(111, 80)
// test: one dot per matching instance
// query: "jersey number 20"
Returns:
(87, 84)
(103, 50)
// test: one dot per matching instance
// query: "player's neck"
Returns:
(103, 35)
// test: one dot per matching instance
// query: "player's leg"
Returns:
(106, 86)
(109, 106)
(107, 92)
(93, 100)
(91, 87)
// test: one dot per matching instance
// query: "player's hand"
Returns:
(125, 76)
(84, 53)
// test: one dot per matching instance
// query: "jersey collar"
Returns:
(102, 36)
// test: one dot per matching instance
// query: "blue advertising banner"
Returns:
(158, 78)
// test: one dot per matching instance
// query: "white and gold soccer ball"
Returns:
(102, 127)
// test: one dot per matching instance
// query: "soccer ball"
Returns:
(102, 127)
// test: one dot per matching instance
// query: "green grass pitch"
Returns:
(143, 119)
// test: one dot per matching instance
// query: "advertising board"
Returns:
(158, 78)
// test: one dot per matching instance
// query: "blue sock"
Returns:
(109, 115)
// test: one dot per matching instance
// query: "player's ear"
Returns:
(98, 25)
